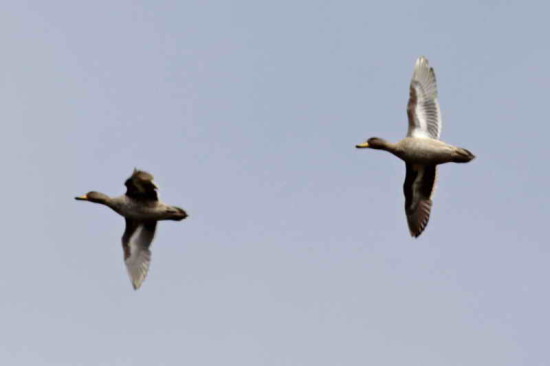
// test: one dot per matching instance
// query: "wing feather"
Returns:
(141, 186)
(136, 241)
(423, 109)
(418, 189)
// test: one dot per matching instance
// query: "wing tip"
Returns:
(137, 280)
(421, 61)
(418, 220)
(416, 234)
(136, 284)
(416, 229)
(423, 70)
(138, 271)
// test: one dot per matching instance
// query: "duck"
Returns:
(141, 208)
(421, 150)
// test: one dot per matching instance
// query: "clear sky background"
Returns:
(296, 251)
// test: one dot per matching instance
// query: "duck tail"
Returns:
(463, 156)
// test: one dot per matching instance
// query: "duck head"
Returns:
(374, 143)
(95, 197)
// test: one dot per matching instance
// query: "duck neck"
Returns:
(103, 199)
(387, 146)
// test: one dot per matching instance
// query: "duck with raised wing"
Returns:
(421, 150)
(142, 209)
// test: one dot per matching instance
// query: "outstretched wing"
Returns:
(418, 188)
(136, 241)
(423, 109)
(141, 186)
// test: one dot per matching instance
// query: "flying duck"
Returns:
(141, 209)
(421, 149)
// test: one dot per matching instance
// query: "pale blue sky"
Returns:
(296, 251)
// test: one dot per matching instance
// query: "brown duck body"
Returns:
(138, 209)
(427, 151)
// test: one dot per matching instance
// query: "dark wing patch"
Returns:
(136, 241)
(418, 188)
(141, 186)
